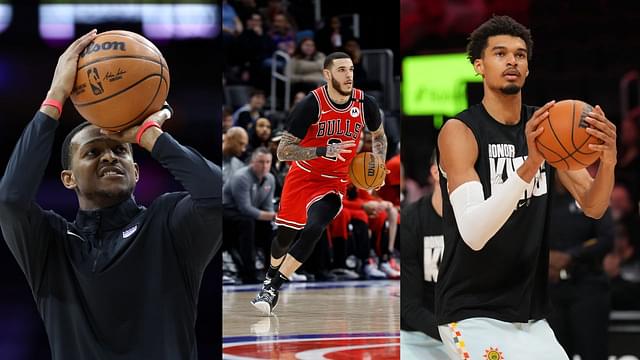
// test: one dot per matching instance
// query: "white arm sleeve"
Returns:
(479, 219)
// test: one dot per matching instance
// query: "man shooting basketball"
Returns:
(324, 130)
(121, 281)
(491, 297)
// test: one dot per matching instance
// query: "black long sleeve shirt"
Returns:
(120, 282)
(422, 244)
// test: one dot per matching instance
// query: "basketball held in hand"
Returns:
(564, 143)
(122, 78)
(367, 171)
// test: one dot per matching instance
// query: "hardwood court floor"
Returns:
(315, 308)
(338, 320)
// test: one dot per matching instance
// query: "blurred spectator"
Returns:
(306, 66)
(273, 8)
(245, 8)
(247, 200)
(279, 168)
(231, 24)
(622, 266)
(391, 189)
(298, 97)
(331, 37)
(384, 224)
(624, 210)
(360, 78)
(282, 33)
(227, 119)
(246, 115)
(254, 48)
(260, 135)
(628, 167)
(382, 221)
(234, 144)
(577, 282)
(357, 220)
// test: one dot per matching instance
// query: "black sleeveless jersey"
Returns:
(507, 279)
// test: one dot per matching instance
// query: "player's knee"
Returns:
(279, 248)
(313, 231)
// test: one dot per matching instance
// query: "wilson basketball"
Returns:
(564, 143)
(367, 171)
(122, 78)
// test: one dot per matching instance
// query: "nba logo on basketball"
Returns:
(94, 81)
(355, 112)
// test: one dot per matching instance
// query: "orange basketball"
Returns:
(122, 78)
(367, 171)
(564, 143)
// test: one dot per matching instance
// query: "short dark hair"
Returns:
(65, 153)
(328, 61)
(497, 25)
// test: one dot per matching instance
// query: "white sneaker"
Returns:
(295, 277)
(371, 272)
(390, 271)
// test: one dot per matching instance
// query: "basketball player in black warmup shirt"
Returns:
(422, 245)
(121, 281)
(491, 297)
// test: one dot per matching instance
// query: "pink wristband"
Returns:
(144, 128)
(55, 103)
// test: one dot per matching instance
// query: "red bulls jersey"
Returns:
(334, 126)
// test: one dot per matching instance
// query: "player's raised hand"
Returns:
(533, 129)
(337, 149)
(605, 130)
(65, 74)
(129, 135)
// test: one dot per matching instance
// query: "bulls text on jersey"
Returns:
(337, 127)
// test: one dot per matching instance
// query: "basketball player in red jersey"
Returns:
(324, 130)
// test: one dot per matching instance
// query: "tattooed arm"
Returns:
(373, 119)
(290, 150)
(379, 140)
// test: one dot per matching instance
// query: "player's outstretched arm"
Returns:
(289, 149)
(593, 194)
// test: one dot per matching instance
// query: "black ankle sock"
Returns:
(272, 272)
(278, 280)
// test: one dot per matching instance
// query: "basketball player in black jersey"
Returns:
(422, 245)
(491, 296)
